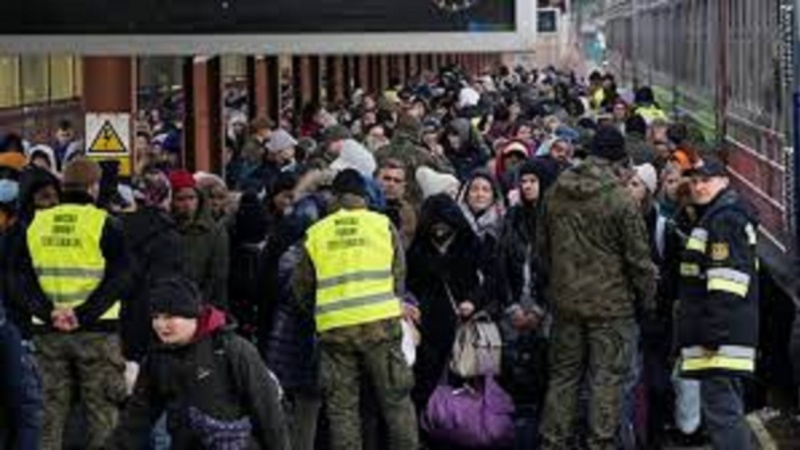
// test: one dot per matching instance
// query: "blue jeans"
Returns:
(627, 433)
(22, 388)
(159, 436)
(723, 410)
(526, 427)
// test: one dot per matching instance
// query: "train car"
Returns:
(720, 65)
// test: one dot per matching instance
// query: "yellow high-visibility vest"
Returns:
(352, 253)
(64, 243)
(598, 97)
(651, 113)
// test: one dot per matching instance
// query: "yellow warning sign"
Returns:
(107, 141)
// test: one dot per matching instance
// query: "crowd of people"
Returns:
(345, 280)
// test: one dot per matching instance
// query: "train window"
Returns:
(9, 81)
(234, 67)
(78, 76)
(35, 71)
(62, 77)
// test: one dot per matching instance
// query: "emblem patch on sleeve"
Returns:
(720, 251)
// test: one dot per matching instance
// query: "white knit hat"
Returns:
(432, 183)
(647, 173)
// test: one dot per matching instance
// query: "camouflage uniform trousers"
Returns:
(88, 363)
(343, 367)
(587, 354)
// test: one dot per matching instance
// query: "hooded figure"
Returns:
(462, 148)
(520, 281)
(204, 247)
(510, 156)
(38, 188)
(442, 274)
(43, 156)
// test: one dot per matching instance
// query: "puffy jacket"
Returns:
(291, 347)
(595, 247)
(718, 292)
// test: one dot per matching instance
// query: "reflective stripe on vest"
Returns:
(690, 270)
(728, 280)
(698, 240)
(353, 254)
(727, 357)
(64, 243)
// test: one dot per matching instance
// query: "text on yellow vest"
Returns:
(65, 250)
(352, 252)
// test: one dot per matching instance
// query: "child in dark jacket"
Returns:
(212, 384)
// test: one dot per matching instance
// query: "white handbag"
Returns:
(478, 346)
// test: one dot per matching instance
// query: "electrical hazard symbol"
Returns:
(107, 141)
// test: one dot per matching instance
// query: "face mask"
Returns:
(9, 191)
(440, 233)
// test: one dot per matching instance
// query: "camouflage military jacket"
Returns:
(594, 246)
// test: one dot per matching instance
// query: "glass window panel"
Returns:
(234, 67)
(35, 78)
(78, 76)
(9, 81)
(62, 77)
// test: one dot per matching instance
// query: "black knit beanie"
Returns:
(350, 181)
(175, 296)
(609, 144)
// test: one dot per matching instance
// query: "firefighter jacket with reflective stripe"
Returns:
(352, 254)
(718, 291)
(64, 245)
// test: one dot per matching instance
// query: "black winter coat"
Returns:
(525, 353)
(212, 390)
(430, 274)
(153, 242)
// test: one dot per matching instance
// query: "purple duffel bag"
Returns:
(473, 416)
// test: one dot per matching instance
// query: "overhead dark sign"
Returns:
(187, 17)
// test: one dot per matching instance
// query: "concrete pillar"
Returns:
(263, 86)
(349, 74)
(305, 70)
(413, 64)
(107, 83)
(402, 67)
(203, 125)
(108, 87)
(362, 72)
(374, 73)
(335, 78)
(384, 72)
